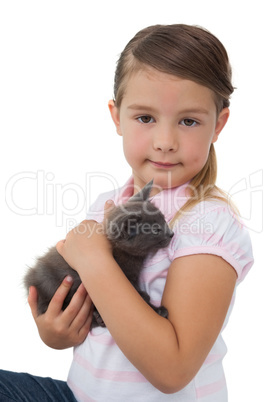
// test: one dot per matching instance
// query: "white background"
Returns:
(59, 146)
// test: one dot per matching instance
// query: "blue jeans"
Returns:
(22, 387)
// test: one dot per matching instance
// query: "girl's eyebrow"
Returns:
(141, 107)
(197, 110)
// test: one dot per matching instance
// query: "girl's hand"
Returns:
(63, 329)
(84, 243)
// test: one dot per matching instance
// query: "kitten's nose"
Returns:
(171, 234)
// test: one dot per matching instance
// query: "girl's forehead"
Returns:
(152, 74)
(151, 85)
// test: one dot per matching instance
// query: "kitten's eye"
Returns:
(156, 230)
(132, 226)
(188, 123)
(132, 232)
(145, 119)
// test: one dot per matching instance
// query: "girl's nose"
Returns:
(165, 141)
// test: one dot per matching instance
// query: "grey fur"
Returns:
(135, 229)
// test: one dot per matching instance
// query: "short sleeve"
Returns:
(217, 231)
(118, 195)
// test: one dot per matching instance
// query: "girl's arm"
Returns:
(197, 295)
(63, 329)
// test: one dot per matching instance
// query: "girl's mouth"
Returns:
(164, 165)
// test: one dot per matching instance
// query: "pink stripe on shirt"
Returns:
(212, 388)
(103, 339)
(111, 375)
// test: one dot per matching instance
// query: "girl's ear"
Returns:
(115, 116)
(222, 120)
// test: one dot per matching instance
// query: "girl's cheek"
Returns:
(134, 145)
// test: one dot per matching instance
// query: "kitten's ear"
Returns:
(144, 194)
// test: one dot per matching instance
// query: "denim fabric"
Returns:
(23, 387)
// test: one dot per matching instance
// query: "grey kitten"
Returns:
(135, 229)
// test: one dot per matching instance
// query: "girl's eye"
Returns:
(145, 119)
(189, 122)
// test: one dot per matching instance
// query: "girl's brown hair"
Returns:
(188, 52)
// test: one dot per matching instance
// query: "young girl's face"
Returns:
(167, 124)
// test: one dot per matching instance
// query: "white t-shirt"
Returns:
(100, 371)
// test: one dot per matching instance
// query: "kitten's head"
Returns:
(138, 227)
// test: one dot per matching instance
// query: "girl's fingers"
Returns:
(59, 246)
(108, 206)
(79, 307)
(56, 303)
(63, 329)
(85, 328)
(83, 319)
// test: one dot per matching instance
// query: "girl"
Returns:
(171, 98)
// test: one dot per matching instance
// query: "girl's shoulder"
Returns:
(209, 211)
(213, 227)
